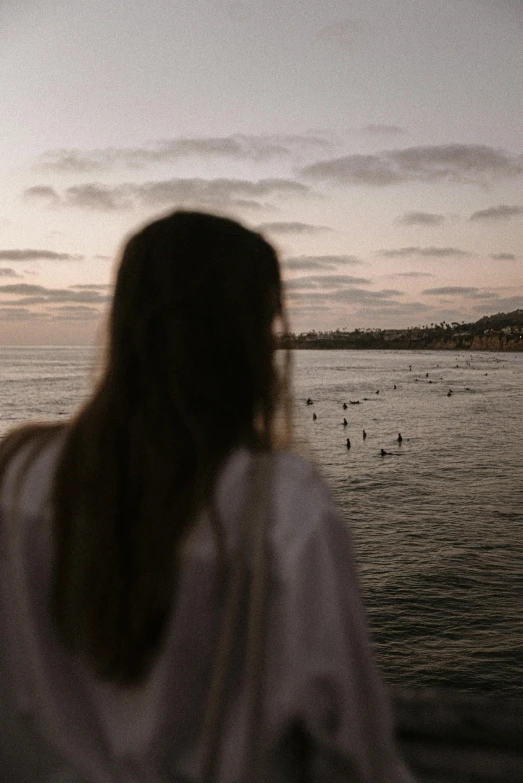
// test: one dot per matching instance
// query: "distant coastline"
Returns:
(501, 332)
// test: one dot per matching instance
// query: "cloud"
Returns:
(383, 298)
(76, 313)
(388, 130)
(4, 272)
(451, 291)
(292, 228)
(218, 193)
(411, 274)
(93, 286)
(503, 257)
(37, 294)
(299, 309)
(20, 314)
(304, 263)
(484, 295)
(37, 255)
(43, 193)
(500, 305)
(500, 212)
(391, 309)
(459, 163)
(425, 252)
(235, 147)
(421, 219)
(324, 281)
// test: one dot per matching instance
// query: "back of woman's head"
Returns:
(191, 326)
(190, 374)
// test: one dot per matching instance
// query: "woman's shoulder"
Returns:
(27, 461)
(300, 498)
(290, 472)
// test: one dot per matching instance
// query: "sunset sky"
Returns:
(378, 145)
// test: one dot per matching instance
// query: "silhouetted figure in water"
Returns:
(415, 380)
(400, 439)
(384, 453)
(394, 385)
(348, 443)
(344, 422)
(309, 401)
(378, 391)
(449, 393)
(426, 375)
(345, 406)
(314, 417)
(410, 367)
(364, 434)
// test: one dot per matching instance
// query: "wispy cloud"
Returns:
(260, 147)
(421, 219)
(396, 309)
(4, 272)
(411, 274)
(484, 295)
(501, 212)
(460, 163)
(500, 305)
(93, 286)
(292, 228)
(383, 130)
(346, 296)
(503, 257)
(20, 314)
(303, 263)
(425, 252)
(37, 255)
(76, 313)
(451, 291)
(330, 282)
(43, 193)
(217, 193)
(37, 294)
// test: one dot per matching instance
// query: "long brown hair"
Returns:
(190, 374)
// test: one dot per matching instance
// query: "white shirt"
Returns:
(60, 724)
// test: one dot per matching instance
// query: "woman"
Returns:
(120, 529)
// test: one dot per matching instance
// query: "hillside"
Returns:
(500, 332)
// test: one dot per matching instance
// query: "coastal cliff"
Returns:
(501, 332)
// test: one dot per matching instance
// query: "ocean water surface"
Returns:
(437, 523)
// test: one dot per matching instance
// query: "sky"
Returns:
(378, 146)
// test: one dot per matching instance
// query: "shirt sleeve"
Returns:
(329, 681)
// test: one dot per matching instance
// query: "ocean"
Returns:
(437, 522)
